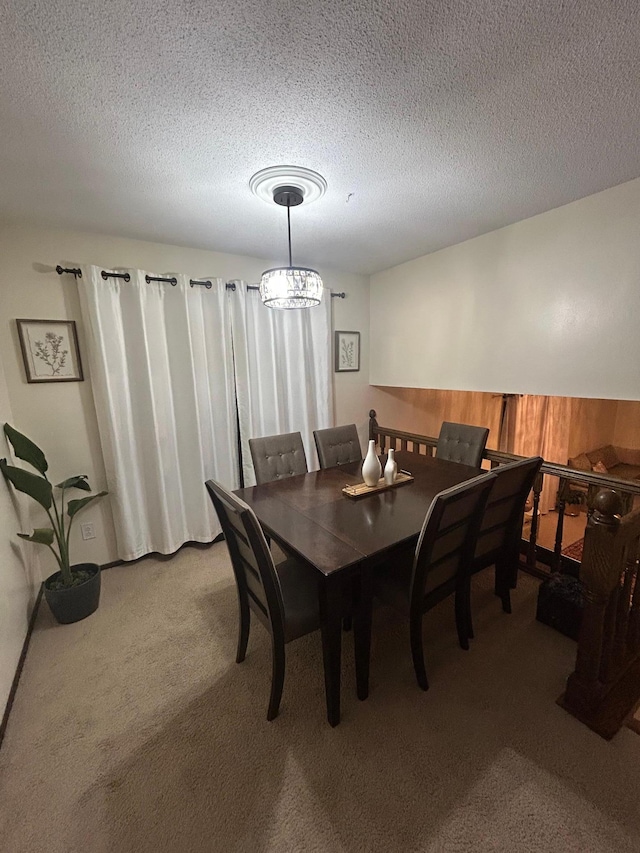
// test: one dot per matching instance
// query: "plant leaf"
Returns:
(41, 535)
(77, 482)
(74, 507)
(24, 481)
(25, 449)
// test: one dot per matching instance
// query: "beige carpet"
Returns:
(136, 731)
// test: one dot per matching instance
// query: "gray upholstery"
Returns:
(338, 445)
(283, 597)
(500, 530)
(440, 566)
(462, 443)
(277, 456)
(447, 537)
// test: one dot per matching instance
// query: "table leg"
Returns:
(331, 629)
(362, 632)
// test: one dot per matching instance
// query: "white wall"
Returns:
(550, 305)
(18, 577)
(61, 417)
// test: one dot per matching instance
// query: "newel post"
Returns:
(600, 574)
(373, 425)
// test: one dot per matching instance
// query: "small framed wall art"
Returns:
(347, 352)
(50, 350)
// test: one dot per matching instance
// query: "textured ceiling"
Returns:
(442, 119)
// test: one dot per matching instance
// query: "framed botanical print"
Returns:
(50, 350)
(347, 352)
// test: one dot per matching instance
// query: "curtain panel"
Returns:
(175, 370)
(161, 367)
(542, 428)
(283, 371)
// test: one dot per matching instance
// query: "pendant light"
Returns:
(290, 287)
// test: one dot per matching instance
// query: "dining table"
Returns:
(345, 539)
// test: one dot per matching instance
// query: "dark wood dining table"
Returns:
(344, 539)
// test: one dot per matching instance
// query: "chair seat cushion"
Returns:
(299, 585)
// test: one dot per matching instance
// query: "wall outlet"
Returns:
(88, 530)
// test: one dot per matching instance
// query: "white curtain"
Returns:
(162, 375)
(283, 371)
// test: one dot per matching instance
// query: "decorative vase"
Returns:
(391, 468)
(371, 468)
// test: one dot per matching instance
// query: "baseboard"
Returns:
(19, 667)
(34, 616)
(158, 556)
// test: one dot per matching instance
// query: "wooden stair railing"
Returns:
(604, 689)
(535, 556)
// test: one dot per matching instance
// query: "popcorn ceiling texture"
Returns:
(444, 119)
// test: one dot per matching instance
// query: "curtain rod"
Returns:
(230, 285)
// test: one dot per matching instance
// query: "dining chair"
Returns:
(462, 443)
(498, 542)
(276, 457)
(337, 445)
(439, 565)
(283, 597)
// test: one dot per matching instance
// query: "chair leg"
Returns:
(243, 632)
(277, 679)
(417, 653)
(462, 617)
(504, 585)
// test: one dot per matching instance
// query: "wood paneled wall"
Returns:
(592, 425)
(422, 410)
(627, 429)
(593, 422)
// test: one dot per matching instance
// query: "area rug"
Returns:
(574, 551)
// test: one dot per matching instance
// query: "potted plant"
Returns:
(573, 501)
(73, 592)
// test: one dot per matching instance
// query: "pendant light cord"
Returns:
(289, 227)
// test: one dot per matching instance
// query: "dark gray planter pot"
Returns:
(76, 602)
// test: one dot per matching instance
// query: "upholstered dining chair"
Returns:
(277, 456)
(439, 565)
(462, 443)
(498, 542)
(338, 445)
(283, 597)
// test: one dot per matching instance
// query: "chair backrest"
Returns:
(338, 445)
(501, 526)
(277, 456)
(253, 566)
(447, 539)
(462, 443)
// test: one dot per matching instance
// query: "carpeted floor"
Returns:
(136, 731)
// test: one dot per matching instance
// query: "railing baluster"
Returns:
(533, 538)
(535, 554)
(633, 635)
(557, 550)
(623, 614)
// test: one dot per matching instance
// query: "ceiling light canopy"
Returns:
(289, 287)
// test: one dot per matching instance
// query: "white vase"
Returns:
(371, 468)
(391, 468)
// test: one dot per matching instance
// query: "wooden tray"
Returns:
(360, 490)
